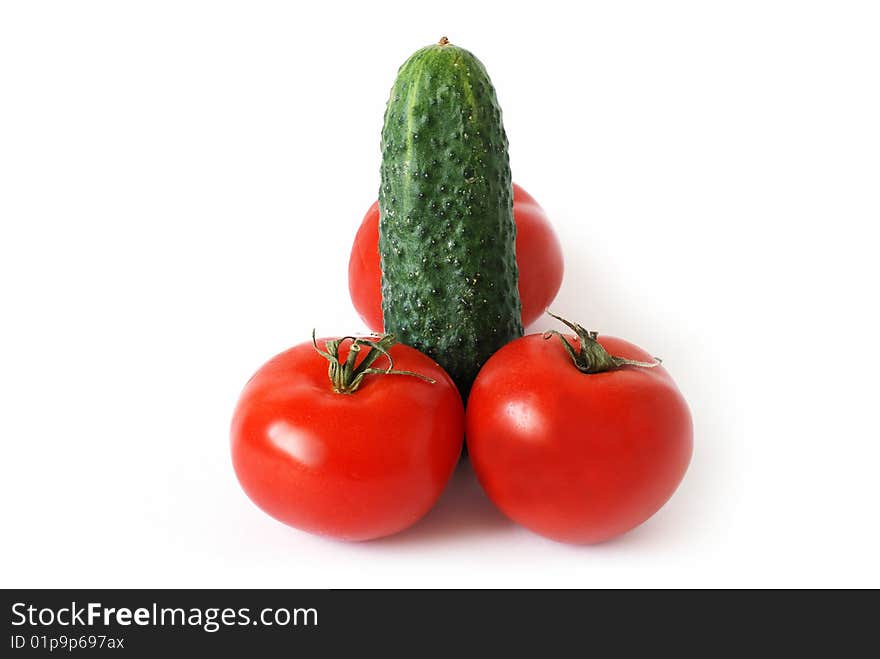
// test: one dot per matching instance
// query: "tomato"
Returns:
(538, 255)
(577, 456)
(353, 466)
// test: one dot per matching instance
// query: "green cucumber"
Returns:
(447, 238)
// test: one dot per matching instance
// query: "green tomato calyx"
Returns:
(591, 356)
(346, 376)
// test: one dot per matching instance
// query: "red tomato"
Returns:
(353, 466)
(538, 256)
(576, 457)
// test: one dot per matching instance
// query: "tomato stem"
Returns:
(347, 376)
(591, 356)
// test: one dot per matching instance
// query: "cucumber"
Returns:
(447, 238)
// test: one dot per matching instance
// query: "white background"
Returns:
(179, 185)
